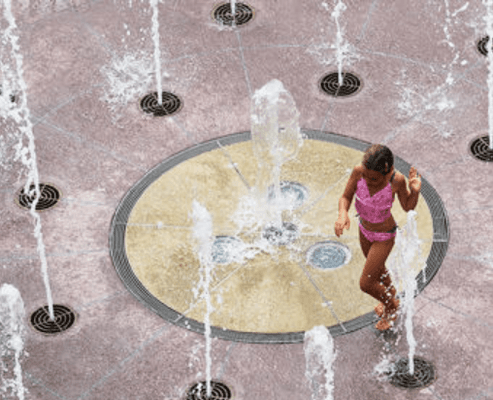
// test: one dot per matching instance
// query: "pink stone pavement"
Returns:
(118, 348)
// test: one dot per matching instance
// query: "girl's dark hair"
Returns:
(378, 158)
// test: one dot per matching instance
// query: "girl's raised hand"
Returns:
(414, 180)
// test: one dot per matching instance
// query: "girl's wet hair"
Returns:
(378, 158)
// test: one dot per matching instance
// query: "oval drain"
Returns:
(171, 104)
(224, 248)
(49, 197)
(288, 233)
(293, 194)
(64, 319)
(480, 149)
(424, 374)
(351, 84)
(223, 15)
(219, 391)
(328, 255)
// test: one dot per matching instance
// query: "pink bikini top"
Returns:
(376, 208)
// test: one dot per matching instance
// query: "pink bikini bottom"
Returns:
(378, 236)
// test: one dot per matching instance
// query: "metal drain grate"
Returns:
(49, 197)
(243, 13)
(219, 391)
(64, 319)
(424, 374)
(328, 255)
(171, 104)
(281, 236)
(480, 149)
(481, 46)
(351, 84)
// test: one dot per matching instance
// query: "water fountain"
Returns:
(276, 139)
(233, 11)
(19, 118)
(320, 356)
(157, 51)
(489, 31)
(404, 264)
(338, 10)
(12, 336)
(203, 234)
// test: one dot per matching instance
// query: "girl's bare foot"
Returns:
(388, 317)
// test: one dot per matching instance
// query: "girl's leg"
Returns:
(373, 275)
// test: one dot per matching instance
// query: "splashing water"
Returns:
(338, 10)
(404, 264)
(18, 114)
(12, 335)
(489, 31)
(126, 78)
(202, 232)
(157, 51)
(276, 139)
(319, 357)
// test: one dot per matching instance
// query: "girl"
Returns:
(375, 183)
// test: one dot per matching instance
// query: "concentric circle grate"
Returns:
(328, 255)
(219, 391)
(224, 249)
(480, 149)
(351, 84)
(64, 319)
(482, 45)
(223, 14)
(424, 374)
(288, 233)
(171, 104)
(49, 197)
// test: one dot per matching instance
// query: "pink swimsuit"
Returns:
(374, 209)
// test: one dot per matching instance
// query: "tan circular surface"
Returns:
(270, 293)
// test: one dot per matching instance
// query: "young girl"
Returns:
(375, 183)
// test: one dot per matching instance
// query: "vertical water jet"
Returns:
(157, 50)
(19, 115)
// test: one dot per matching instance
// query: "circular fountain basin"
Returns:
(277, 294)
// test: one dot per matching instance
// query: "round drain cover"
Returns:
(224, 248)
(294, 194)
(351, 84)
(49, 197)
(424, 374)
(64, 319)
(219, 391)
(171, 104)
(328, 255)
(281, 236)
(243, 13)
(480, 149)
